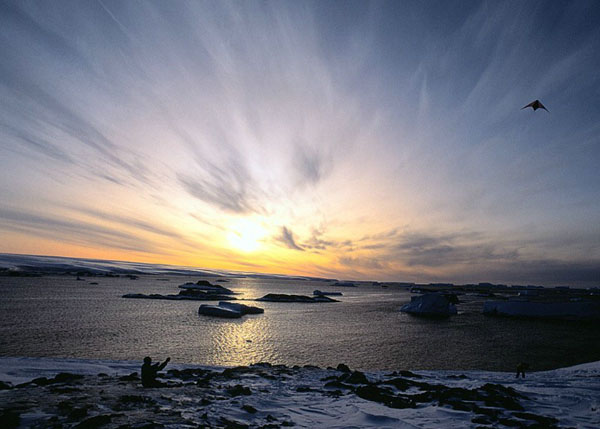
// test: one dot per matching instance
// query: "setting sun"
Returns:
(245, 235)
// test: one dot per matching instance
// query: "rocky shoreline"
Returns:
(274, 396)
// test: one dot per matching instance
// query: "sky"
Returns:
(355, 140)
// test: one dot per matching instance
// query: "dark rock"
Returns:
(249, 408)
(460, 405)
(9, 419)
(330, 377)
(310, 367)
(131, 377)
(510, 423)
(78, 413)
(40, 381)
(188, 374)
(183, 296)
(64, 406)
(383, 396)
(235, 372)
(65, 377)
(543, 421)
(400, 383)
(65, 389)
(496, 395)
(303, 389)
(5, 386)
(333, 393)
(481, 420)
(263, 365)
(336, 384)
(280, 297)
(343, 367)
(135, 399)
(94, 422)
(405, 373)
(232, 424)
(53, 423)
(356, 377)
(152, 425)
(493, 413)
(203, 382)
(238, 390)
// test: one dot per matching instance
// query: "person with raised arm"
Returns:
(150, 371)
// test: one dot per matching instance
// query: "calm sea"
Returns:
(58, 316)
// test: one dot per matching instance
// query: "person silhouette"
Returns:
(521, 367)
(150, 371)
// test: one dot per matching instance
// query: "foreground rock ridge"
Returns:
(273, 396)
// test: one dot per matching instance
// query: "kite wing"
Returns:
(537, 104)
(529, 105)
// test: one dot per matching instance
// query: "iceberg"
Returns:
(229, 310)
(573, 309)
(218, 311)
(429, 305)
(242, 308)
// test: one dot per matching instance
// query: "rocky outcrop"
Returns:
(280, 297)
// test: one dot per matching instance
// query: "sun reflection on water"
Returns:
(241, 342)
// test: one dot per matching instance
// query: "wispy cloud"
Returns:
(229, 188)
(386, 138)
(73, 231)
(310, 164)
(287, 238)
(359, 262)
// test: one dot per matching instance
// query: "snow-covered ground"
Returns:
(99, 393)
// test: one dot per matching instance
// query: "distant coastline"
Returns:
(32, 265)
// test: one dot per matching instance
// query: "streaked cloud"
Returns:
(386, 137)
(287, 238)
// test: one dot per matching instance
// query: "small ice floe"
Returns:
(242, 308)
(572, 309)
(228, 310)
(218, 311)
(430, 305)
(317, 292)
(280, 297)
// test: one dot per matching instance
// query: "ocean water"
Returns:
(59, 316)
